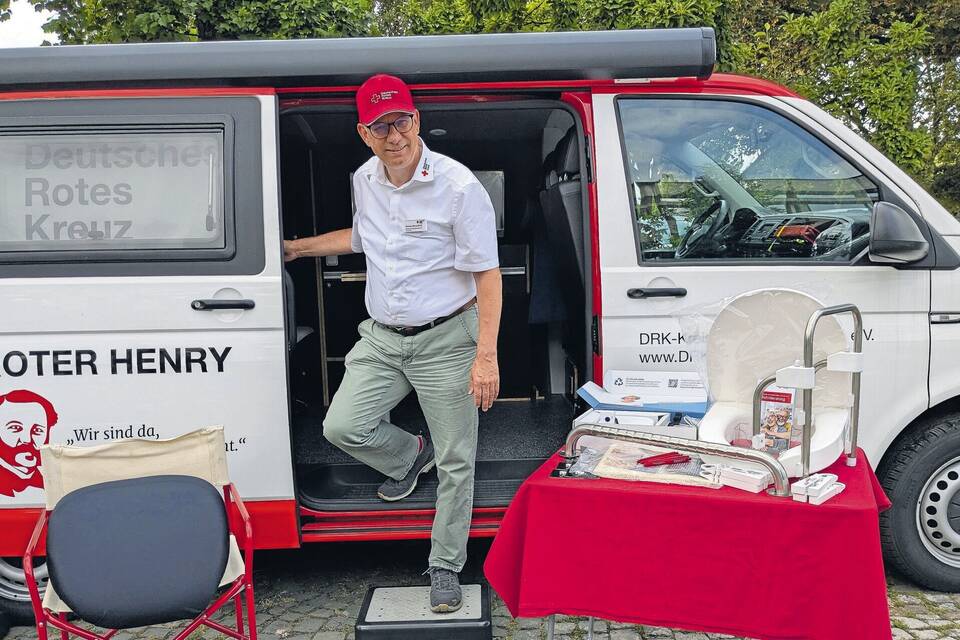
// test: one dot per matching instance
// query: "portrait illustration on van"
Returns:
(25, 422)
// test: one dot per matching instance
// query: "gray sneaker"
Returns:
(393, 490)
(445, 594)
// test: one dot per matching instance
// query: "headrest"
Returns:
(550, 169)
(646, 159)
(568, 153)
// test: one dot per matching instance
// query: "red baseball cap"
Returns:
(382, 94)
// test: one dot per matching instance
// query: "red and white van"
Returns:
(145, 190)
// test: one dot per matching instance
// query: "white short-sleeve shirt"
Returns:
(423, 240)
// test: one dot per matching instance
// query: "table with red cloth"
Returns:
(696, 558)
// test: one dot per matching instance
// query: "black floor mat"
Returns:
(509, 430)
(353, 487)
(514, 439)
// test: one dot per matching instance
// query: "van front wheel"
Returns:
(921, 532)
(14, 596)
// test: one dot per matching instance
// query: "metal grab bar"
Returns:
(759, 392)
(780, 481)
(807, 394)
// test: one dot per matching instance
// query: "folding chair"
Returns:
(139, 533)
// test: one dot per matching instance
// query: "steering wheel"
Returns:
(699, 232)
(849, 250)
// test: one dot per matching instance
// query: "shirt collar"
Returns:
(424, 172)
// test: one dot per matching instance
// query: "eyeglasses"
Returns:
(381, 130)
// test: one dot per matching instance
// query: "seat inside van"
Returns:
(528, 154)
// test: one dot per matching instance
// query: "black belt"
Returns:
(412, 331)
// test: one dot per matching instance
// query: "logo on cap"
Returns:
(383, 95)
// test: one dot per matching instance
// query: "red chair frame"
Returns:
(240, 589)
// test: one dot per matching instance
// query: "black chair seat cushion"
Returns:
(138, 552)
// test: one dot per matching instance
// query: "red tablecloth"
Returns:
(717, 560)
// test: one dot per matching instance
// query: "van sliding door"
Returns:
(140, 278)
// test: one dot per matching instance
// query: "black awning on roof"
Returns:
(573, 55)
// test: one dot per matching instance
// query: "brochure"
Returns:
(659, 386)
(598, 398)
(777, 417)
(621, 461)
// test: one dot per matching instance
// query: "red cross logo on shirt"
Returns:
(425, 173)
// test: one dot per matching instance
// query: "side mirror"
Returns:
(894, 236)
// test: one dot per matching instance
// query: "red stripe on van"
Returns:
(16, 526)
(723, 83)
(465, 86)
(403, 524)
(421, 99)
(275, 526)
(476, 531)
(718, 83)
(165, 92)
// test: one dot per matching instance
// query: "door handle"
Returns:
(664, 292)
(211, 305)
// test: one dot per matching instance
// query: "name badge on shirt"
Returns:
(414, 226)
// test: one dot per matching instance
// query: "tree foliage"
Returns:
(102, 21)
(413, 17)
(890, 69)
(946, 184)
(863, 73)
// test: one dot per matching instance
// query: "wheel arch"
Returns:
(921, 421)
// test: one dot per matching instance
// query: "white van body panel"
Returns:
(945, 336)
(646, 334)
(106, 316)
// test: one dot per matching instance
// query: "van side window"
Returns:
(714, 179)
(69, 190)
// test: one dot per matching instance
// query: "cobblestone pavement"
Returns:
(315, 593)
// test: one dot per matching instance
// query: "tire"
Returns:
(4, 626)
(921, 476)
(14, 597)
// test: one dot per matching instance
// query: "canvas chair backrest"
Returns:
(199, 453)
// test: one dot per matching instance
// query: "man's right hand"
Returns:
(289, 253)
(333, 243)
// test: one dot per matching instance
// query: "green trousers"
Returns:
(382, 368)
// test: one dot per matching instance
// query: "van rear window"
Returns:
(109, 191)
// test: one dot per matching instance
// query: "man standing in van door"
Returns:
(433, 292)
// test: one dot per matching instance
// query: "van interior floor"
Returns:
(515, 437)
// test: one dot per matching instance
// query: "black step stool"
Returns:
(401, 613)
